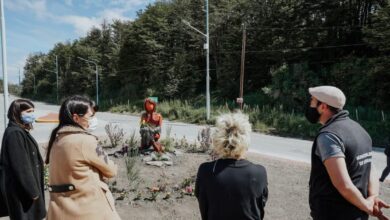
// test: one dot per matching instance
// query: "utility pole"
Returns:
(241, 99)
(207, 61)
(19, 76)
(57, 75)
(97, 77)
(4, 62)
(35, 87)
(97, 84)
(55, 72)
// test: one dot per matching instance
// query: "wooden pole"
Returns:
(242, 66)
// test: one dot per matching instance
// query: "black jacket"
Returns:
(22, 174)
(231, 189)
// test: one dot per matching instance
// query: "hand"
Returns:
(370, 203)
(382, 217)
(378, 205)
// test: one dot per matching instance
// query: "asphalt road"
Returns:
(287, 148)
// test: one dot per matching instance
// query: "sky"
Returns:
(37, 25)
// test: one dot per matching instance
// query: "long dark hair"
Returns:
(73, 105)
(15, 111)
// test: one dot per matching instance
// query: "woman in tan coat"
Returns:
(78, 167)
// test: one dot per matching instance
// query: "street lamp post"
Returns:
(207, 48)
(56, 72)
(4, 62)
(35, 87)
(57, 75)
(97, 77)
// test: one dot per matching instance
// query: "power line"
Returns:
(139, 68)
(306, 28)
(296, 49)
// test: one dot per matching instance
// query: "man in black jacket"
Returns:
(342, 180)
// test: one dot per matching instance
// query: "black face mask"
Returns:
(312, 115)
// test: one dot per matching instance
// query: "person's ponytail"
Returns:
(51, 142)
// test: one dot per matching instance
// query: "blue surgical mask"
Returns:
(28, 117)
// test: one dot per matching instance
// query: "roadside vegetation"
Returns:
(266, 119)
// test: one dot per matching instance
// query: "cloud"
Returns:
(69, 2)
(36, 6)
(113, 10)
(113, 14)
(114, 3)
(128, 3)
(81, 24)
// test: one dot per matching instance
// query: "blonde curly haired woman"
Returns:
(231, 187)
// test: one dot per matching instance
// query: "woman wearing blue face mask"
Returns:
(21, 166)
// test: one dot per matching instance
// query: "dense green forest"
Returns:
(291, 45)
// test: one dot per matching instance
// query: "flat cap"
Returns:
(330, 95)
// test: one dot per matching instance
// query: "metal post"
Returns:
(242, 66)
(57, 75)
(97, 85)
(97, 77)
(4, 62)
(207, 48)
(35, 87)
(207, 62)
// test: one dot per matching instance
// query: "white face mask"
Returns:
(92, 123)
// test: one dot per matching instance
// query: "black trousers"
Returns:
(335, 210)
(386, 171)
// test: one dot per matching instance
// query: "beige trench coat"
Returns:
(76, 159)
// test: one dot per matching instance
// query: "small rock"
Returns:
(147, 159)
(177, 152)
(176, 187)
(166, 157)
(154, 156)
(155, 189)
(168, 163)
(167, 196)
(155, 163)
(120, 198)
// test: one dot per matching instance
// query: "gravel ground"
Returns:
(288, 189)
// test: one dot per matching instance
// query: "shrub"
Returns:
(133, 144)
(115, 134)
(132, 171)
(168, 141)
